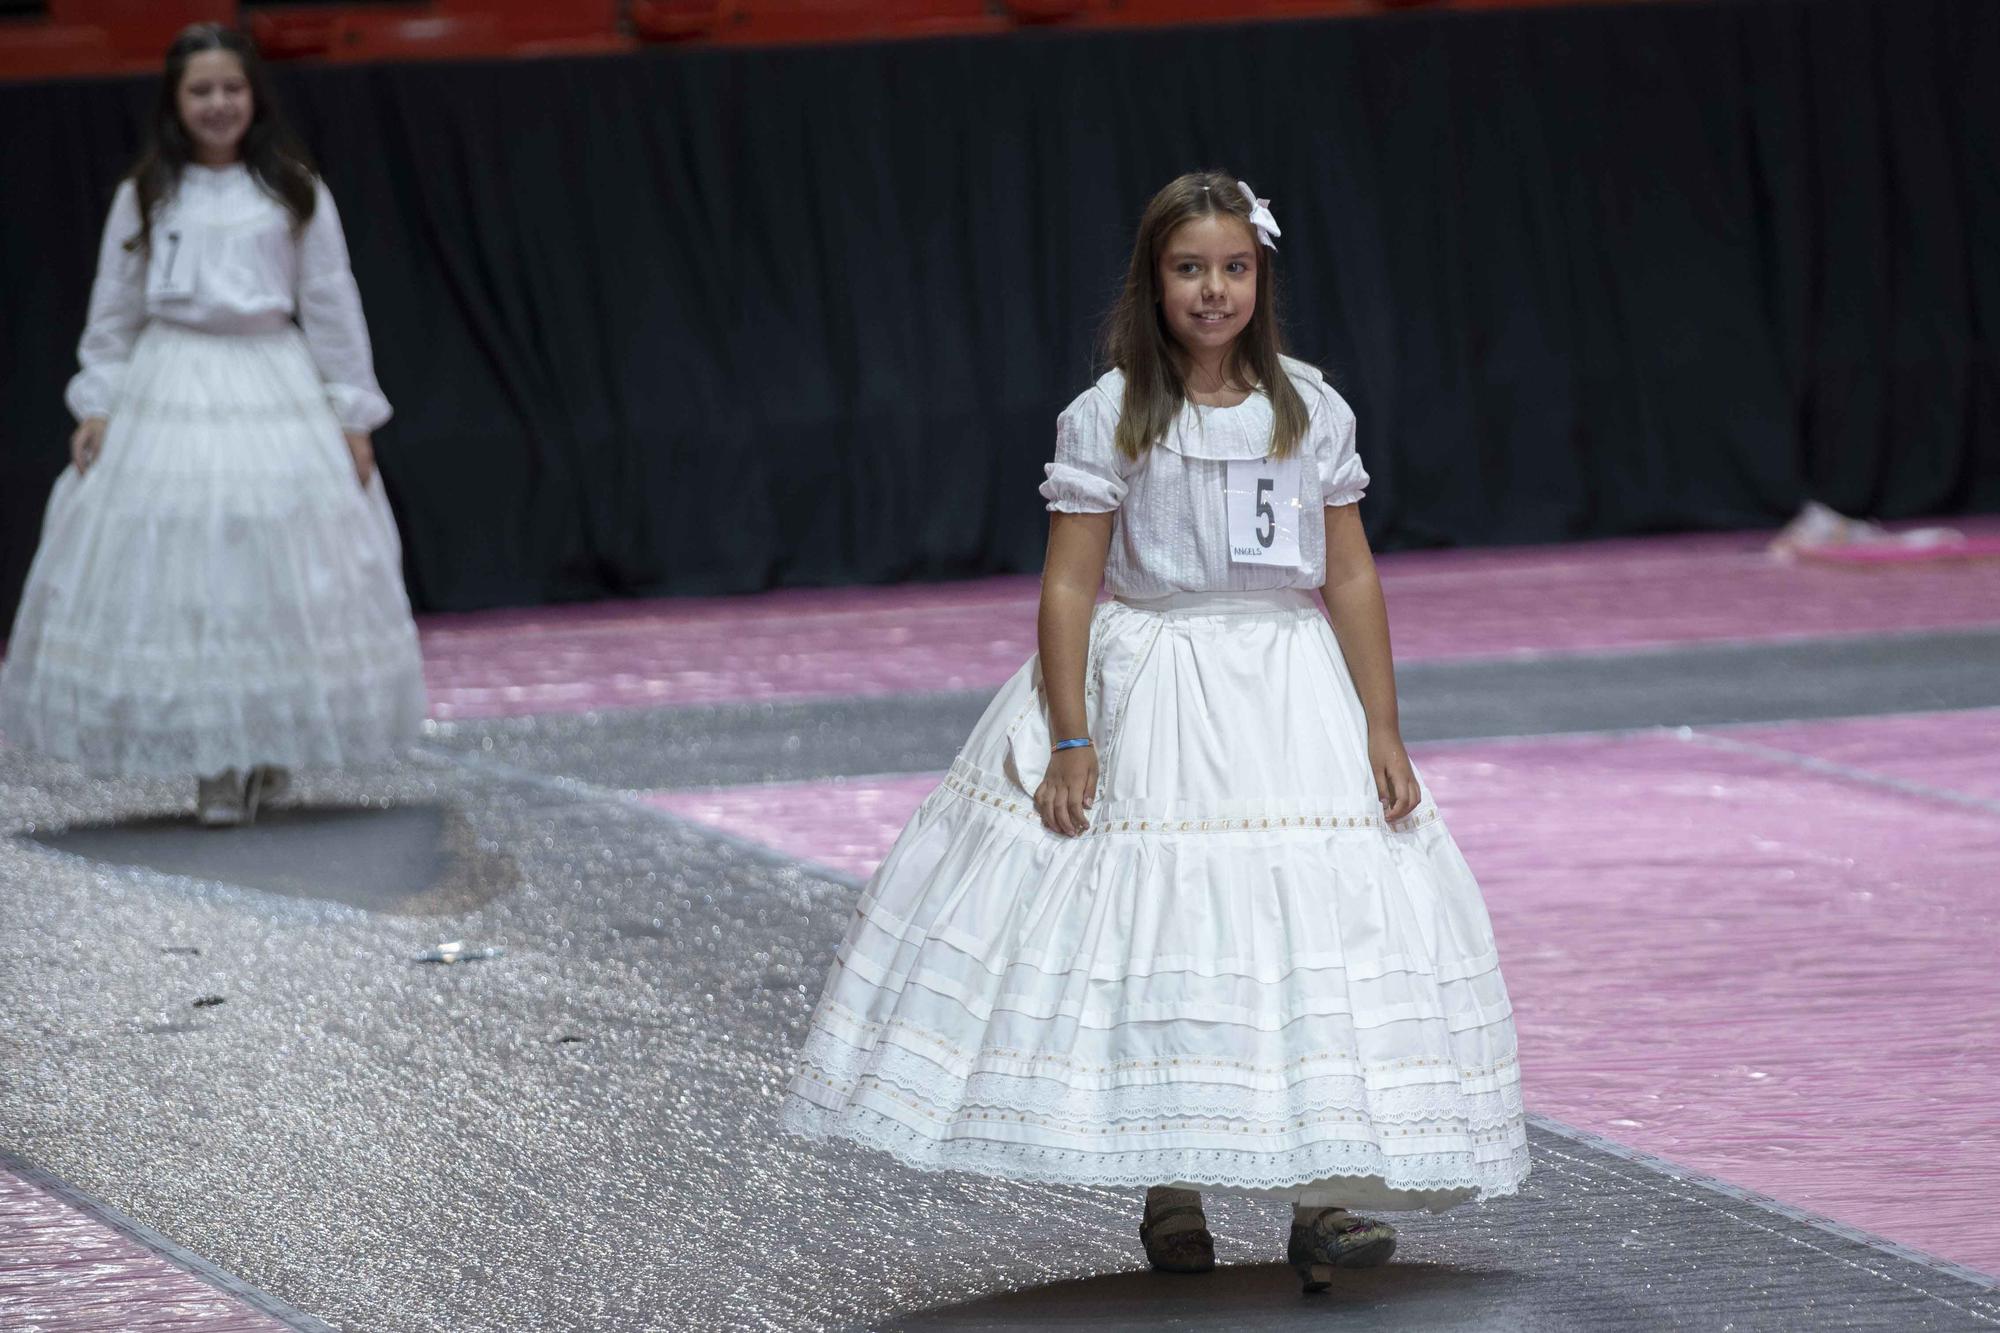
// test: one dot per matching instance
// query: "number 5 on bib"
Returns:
(1264, 511)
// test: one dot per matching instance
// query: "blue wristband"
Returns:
(1076, 744)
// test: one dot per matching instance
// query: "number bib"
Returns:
(1264, 511)
(170, 270)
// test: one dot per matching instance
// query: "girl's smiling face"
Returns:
(215, 105)
(1208, 283)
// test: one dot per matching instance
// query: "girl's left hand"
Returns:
(1395, 779)
(363, 448)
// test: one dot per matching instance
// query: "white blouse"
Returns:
(1172, 530)
(224, 259)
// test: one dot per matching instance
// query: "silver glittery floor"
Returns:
(577, 1135)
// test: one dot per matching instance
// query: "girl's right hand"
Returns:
(1068, 790)
(86, 443)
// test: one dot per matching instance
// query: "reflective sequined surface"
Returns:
(63, 1267)
(1450, 605)
(1636, 948)
(577, 1133)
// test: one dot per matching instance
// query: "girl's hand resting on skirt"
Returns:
(86, 443)
(363, 448)
(1395, 779)
(1068, 790)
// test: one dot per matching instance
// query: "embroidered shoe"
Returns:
(1184, 1248)
(219, 801)
(1335, 1238)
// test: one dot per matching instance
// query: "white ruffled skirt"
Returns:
(217, 591)
(1239, 979)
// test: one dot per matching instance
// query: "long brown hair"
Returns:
(275, 158)
(1137, 342)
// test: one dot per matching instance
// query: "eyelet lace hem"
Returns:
(1418, 1173)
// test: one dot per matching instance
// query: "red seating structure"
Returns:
(437, 28)
(753, 22)
(139, 27)
(100, 36)
(113, 36)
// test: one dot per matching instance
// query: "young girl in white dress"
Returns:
(218, 589)
(1181, 915)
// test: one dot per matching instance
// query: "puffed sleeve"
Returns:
(329, 306)
(117, 312)
(1342, 479)
(1086, 477)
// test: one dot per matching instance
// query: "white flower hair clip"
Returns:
(1260, 216)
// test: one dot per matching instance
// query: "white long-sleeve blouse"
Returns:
(225, 259)
(1172, 530)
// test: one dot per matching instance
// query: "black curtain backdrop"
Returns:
(706, 321)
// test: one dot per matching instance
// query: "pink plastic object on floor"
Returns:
(1821, 534)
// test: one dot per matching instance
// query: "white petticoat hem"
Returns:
(1372, 1178)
